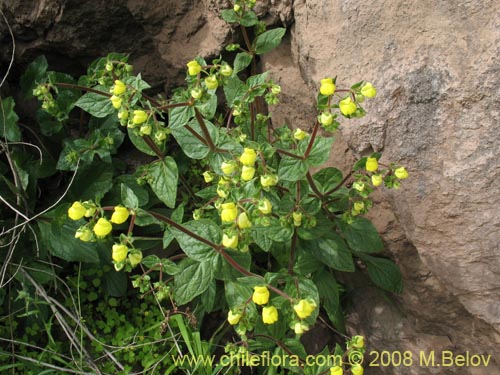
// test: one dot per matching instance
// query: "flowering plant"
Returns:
(239, 222)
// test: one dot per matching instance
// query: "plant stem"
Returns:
(287, 153)
(205, 131)
(313, 185)
(311, 141)
(252, 121)
(339, 185)
(83, 88)
(196, 135)
(152, 145)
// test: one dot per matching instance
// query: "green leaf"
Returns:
(320, 152)
(269, 40)
(164, 176)
(194, 248)
(34, 74)
(208, 108)
(229, 15)
(292, 169)
(139, 142)
(91, 182)
(194, 279)
(327, 179)
(332, 251)
(129, 198)
(249, 19)
(115, 283)
(361, 235)
(131, 182)
(242, 60)
(8, 121)
(234, 90)
(191, 145)
(257, 80)
(237, 293)
(384, 273)
(223, 270)
(328, 293)
(97, 105)
(180, 116)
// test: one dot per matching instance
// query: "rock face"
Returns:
(435, 64)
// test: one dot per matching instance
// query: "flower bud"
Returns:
(359, 186)
(116, 101)
(260, 295)
(243, 221)
(358, 342)
(327, 87)
(326, 119)
(226, 70)
(300, 134)
(228, 167)
(236, 111)
(371, 164)
(265, 206)
(139, 117)
(368, 90)
(222, 192)
(347, 106)
(135, 258)
(276, 89)
(83, 234)
(76, 211)
(193, 68)
(304, 308)
(109, 67)
(119, 87)
(102, 228)
(268, 180)
(299, 328)
(197, 214)
(90, 208)
(359, 206)
(297, 218)
(208, 176)
(357, 369)
(123, 115)
(120, 215)
(232, 318)
(377, 180)
(211, 82)
(145, 129)
(229, 212)
(119, 253)
(236, 8)
(230, 242)
(197, 92)
(160, 135)
(247, 173)
(248, 157)
(269, 315)
(336, 370)
(401, 173)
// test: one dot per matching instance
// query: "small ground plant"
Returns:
(224, 216)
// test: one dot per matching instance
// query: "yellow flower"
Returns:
(297, 218)
(116, 101)
(299, 328)
(228, 167)
(229, 212)
(276, 89)
(76, 211)
(226, 70)
(371, 164)
(119, 253)
(135, 258)
(327, 87)
(247, 173)
(377, 180)
(260, 295)
(222, 192)
(197, 93)
(336, 370)
(248, 157)
(230, 242)
(84, 234)
(358, 206)
(326, 119)
(243, 221)
(90, 208)
(232, 318)
(368, 90)
(119, 88)
(120, 215)
(265, 206)
(211, 82)
(102, 228)
(359, 186)
(208, 176)
(401, 173)
(139, 117)
(347, 106)
(357, 369)
(358, 341)
(145, 129)
(193, 67)
(269, 315)
(123, 115)
(268, 180)
(300, 134)
(236, 8)
(304, 308)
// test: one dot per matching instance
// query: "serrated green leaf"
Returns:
(234, 90)
(8, 121)
(129, 198)
(327, 179)
(194, 279)
(194, 248)
(35, 73)
(384, 273)
(97, 105)
(241, 62)
(237, 293)
(91, 182)
(164, 177)
(361, 235)
(191, 145)
(329, 294)
(269, 40)
(331, 251)
(292, 169)
(223, 270)
(320, 152)
(139, 142)
(180, 116)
